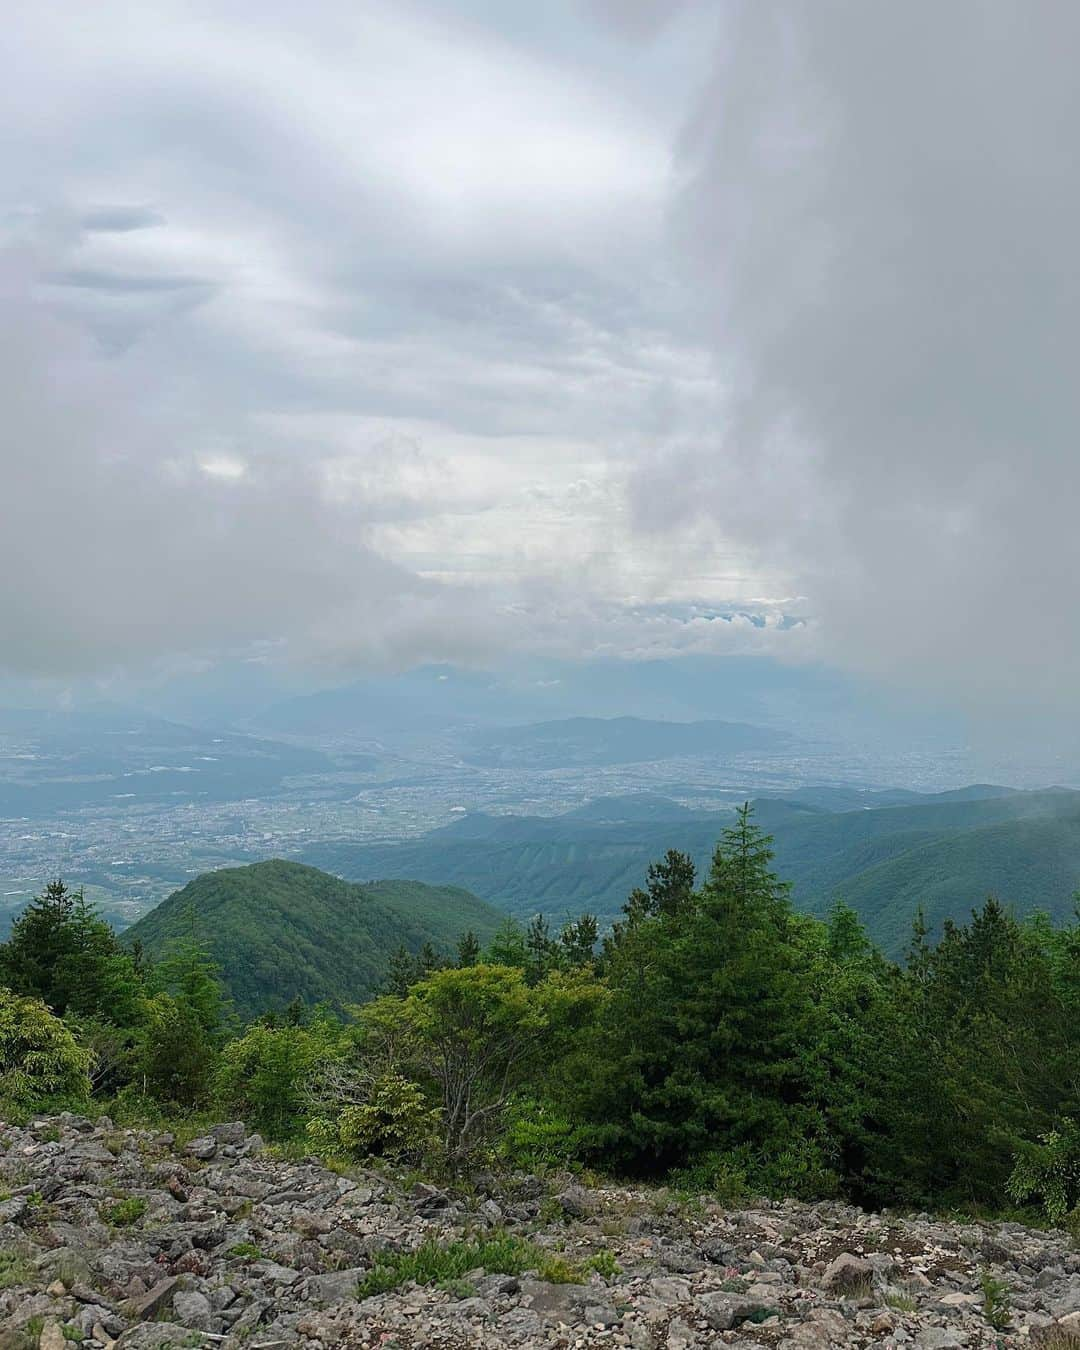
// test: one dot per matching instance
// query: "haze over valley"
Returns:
(408, 776)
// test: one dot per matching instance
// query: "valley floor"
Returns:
(127, 1238)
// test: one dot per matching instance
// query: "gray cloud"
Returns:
(638, 19)
(379, 332)
(120, 219)
(880, 208)
(121, 544)
(336, 335)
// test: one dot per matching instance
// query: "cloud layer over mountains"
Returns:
(372, 333)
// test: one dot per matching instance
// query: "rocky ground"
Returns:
(127, 1238)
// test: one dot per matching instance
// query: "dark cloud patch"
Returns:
(120, 219)
(116, 283)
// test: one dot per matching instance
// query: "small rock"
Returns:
(202, 1148)
(232, 1132)
(11, 1211)
(575, 1202)
(336, 1286)
(192, 1262)
(193, 1309)
(847, 1274)
(51, 1336)
(724, 1311)
(940, 1338)
(153, 1301)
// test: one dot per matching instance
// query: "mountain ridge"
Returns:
(564, 864)
(281, 929)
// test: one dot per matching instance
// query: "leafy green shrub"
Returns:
(538, 1137)
(723, 1175)
(796, 1169)
(799, 1170)
(478, 1035)
(1050, 1171)
(996, 1307)
(175, 1053)
(265, 1075)
(603, 1263)
(39, 1057)
(123, 1213)
(247, 1250)
(396, 1121)
(558, 1270)
(442, 1263)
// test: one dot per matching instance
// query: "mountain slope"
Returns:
(1027, 864)
(946, 853)
(280, 929)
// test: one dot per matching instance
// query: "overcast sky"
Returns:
(361, 334)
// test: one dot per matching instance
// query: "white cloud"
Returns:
(339, 330)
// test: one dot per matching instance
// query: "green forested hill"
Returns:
(1027, 864)
(947, 853)
(280, 929)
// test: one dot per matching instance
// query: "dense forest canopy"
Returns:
(279, 930)
(889, 854)
(714, 1037)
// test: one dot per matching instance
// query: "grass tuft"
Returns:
(15, 1269)
(444, 1263)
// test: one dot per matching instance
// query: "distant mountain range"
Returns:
(280, 929)
(108, 755)
(946, 852)
(585, 741)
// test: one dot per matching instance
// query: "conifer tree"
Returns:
(468, 949)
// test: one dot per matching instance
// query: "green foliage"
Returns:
(701, 1048)
(1049, 1170)
(538, 1135)
(190, 977)
(39, 1057)
(722, 1175)
(246, 1251)
(996, 1307)
(556, 1269)
(176, 1057)
(396, 1121)
(279, 930)
(468, 949)
(508, 947)
(602, 1263)
(980, 1056)
(15, 1268)
(61, 952)
(265, 1075)
(123, 1213)
(578, 939)
(440, 1263)
(476, 1035)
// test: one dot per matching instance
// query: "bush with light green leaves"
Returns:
(39, 1057)
(395, 1121)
